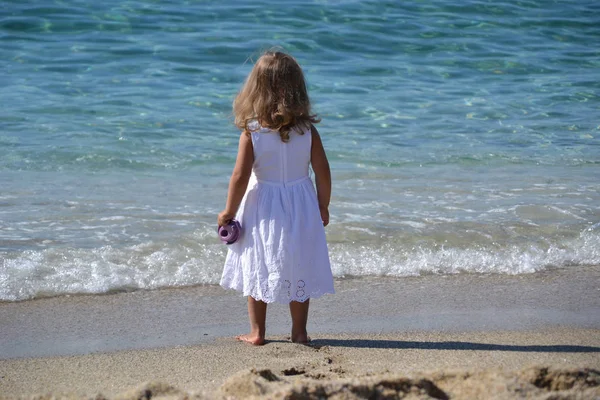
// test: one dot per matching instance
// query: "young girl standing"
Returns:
(281, 255)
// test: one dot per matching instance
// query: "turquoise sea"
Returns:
(463, 136)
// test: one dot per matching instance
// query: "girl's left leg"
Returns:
(257, 313)
(299, 313)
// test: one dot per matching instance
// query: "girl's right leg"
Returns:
(299, 312)
(257, 313)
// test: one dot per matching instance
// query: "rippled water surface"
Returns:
(464, 136)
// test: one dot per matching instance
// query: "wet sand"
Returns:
(409, 328)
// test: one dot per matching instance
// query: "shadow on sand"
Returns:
(400, 344)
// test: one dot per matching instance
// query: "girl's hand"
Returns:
(324, 215)
(224, 218)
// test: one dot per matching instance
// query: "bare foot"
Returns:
(301, 338)
(252, 339)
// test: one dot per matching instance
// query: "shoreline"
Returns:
(194, 315)
(210, 287)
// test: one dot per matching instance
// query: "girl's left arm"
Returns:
(239, 179)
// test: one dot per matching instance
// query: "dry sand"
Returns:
(459, 337)
(458, 364)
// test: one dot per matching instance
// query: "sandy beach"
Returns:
(462, 336)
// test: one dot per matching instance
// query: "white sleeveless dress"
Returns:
(281, 255)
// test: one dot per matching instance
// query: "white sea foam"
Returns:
(198, 259)
(391, 260)
(56, 271)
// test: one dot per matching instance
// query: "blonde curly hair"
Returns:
(274, 95)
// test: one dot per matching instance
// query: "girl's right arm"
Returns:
(239, 179)
(320, 165)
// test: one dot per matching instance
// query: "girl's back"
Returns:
(281, 162)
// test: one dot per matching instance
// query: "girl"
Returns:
(281, 255)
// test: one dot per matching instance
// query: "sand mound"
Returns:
(532, 383)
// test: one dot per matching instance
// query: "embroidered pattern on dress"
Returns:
(289, 286)
(300, 288)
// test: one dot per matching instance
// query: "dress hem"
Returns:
(314, 295)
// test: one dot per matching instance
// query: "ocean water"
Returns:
(463, 136)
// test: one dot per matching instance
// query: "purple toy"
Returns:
(230, 232)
